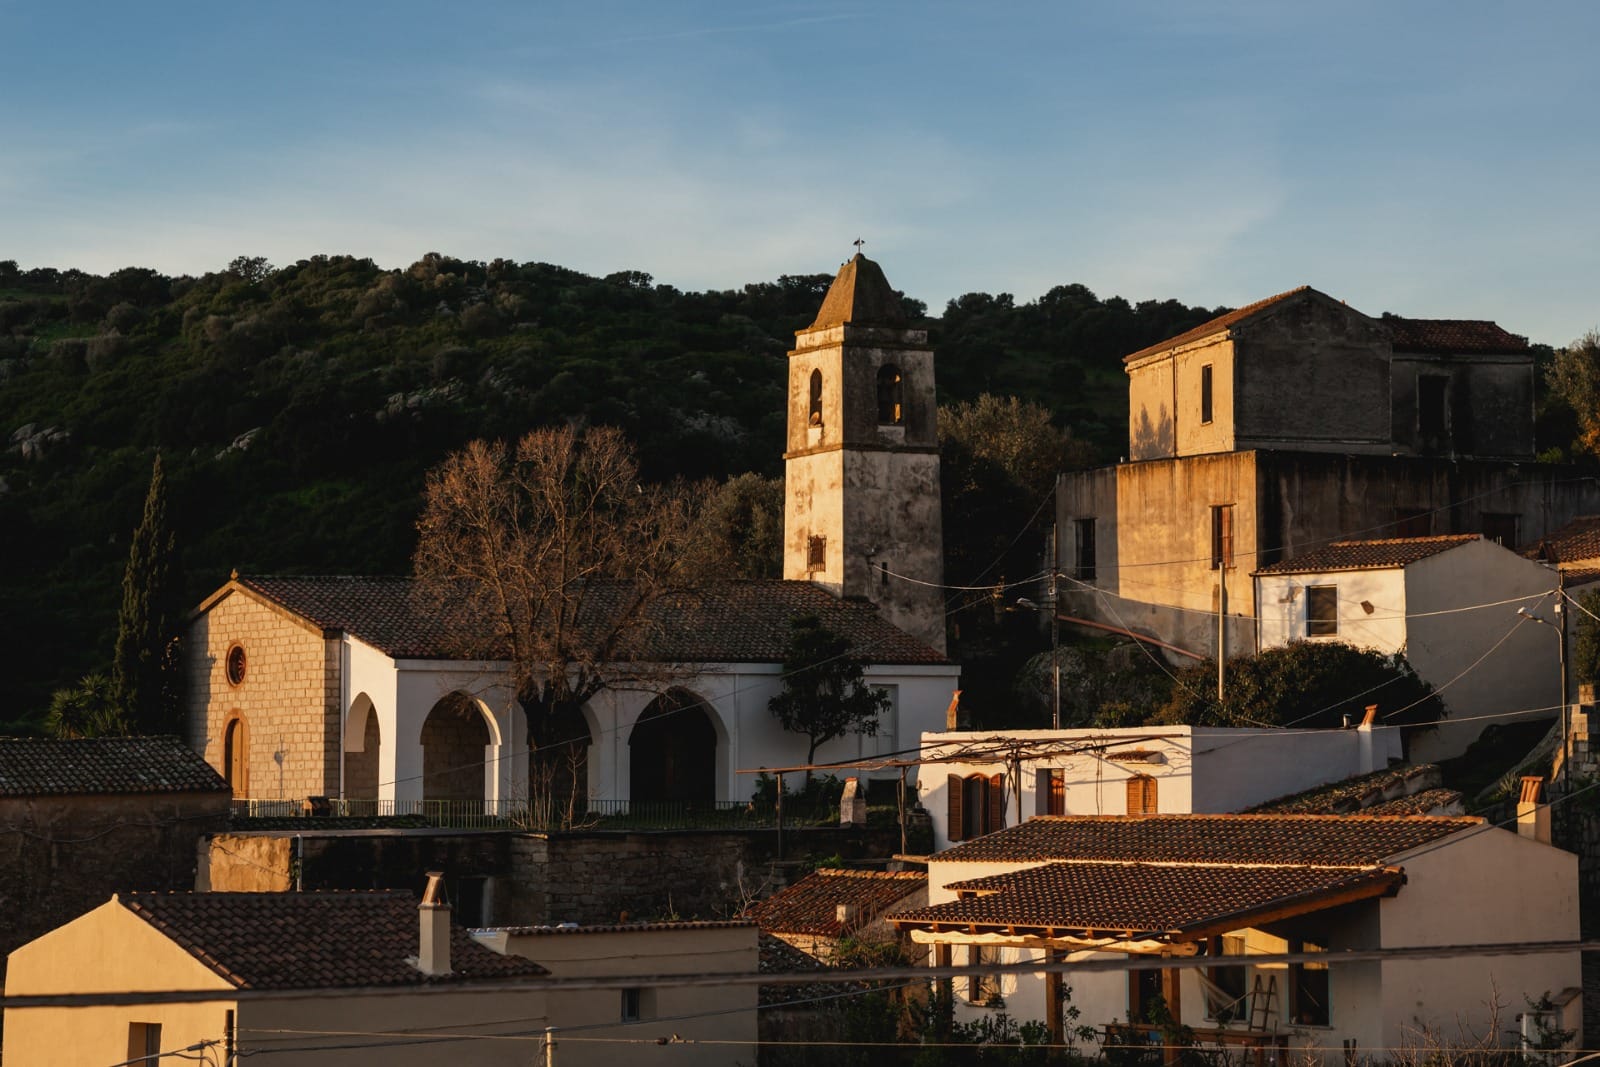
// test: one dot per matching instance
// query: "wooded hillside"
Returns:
(296, 409)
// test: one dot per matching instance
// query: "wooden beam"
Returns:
(1383, 884)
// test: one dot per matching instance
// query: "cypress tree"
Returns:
(144, 671)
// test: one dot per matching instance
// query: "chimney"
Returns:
(1366, 754)
(1533, 815)
(433, 949)
(845, 914)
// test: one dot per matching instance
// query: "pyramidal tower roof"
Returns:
(860, 296)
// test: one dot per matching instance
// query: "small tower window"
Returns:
(815, 417)
(891, 410)
(816, 553)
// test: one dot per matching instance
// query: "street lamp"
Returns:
(1561, 661)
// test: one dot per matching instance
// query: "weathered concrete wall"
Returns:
(62, 856)
(1489, 405)
(1152, 416)
(289, 698)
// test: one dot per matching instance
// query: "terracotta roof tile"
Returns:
(575, 929)
(1136, 898)
(1362, 792)
(32, 766)
(1464, 336)
(734, 622)
(1577, 540)
(1441, 801)
(811, 905)
(1369, 555)
(314, 940)
(1296, 840)
(1216, 325)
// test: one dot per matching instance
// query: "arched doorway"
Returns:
(454, 737)
(674, 752)
(236, 756)
(558, 765)
(362, 744)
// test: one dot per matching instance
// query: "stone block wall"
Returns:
(62, 856)
(288, 699)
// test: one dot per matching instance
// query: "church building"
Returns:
(350, 688)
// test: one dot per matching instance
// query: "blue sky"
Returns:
(1432, 159)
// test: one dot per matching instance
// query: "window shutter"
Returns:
(997, 803)
(956, 831)
(1141, 795)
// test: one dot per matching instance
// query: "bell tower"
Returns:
(861, 468)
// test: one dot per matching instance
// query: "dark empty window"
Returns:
(815, 418)
(1083, 559)
(632, 1005)
(1226, 1001)
(1205, 393)
(1308, 987)
(891, 411)
(817, 553)
(1501, 528)
(1411, 522)
(1431, 393)
(1221, 536)
(1322, 610)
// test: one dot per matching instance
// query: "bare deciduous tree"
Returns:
(550, 555)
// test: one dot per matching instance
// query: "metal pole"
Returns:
(1055, 628)
(901, 801)
(780, 815)
(1222, 625)
(1561, 661)
(549, 1046)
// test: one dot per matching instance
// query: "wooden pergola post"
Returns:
(1170, 1053)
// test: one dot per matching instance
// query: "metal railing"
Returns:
(517, 814)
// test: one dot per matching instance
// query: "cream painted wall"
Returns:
(1220, 434)
(107, 950)
(1281, 601)
(697, 1013)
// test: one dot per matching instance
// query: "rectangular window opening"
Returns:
(983, 988)
(1432, 418)
(1412, 522)
(1083, 550)
(1050, 792)
(1221, 536)
(1141, 795)
(1205, 393)
(1308, 987)
(1322, 610)
(817, 553)
(1501, 528)
(144, 1043)
(632, 1004)
(1226, 1002)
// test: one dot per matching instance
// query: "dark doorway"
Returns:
(454, 737)
(674, 752)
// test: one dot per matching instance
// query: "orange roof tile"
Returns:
(1216, 325)
(811, 905)
(1381, 554)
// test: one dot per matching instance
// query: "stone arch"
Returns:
(362, 748)
(891, 396)
(454, 740)
(236, 754)
(814, 395)
(674, 747)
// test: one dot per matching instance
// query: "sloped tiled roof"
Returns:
(734, 622)
(810, 906)
(1294, 840)
(1380, 554)
(1441, 801)
(1136, 898)
(580, 929)
(1577, 540)
(31, 766)
(314, 940)
(1466, 336)
(1216, 325)
(860, 295)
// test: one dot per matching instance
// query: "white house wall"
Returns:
(1281, 602)
(1478, 887)
(1522, 673)
(1203, 770)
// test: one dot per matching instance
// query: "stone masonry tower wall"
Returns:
(862, 510)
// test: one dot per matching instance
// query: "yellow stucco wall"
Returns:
(107, 950)
(289, 697)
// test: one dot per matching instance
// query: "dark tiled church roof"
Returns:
(1369, 555)
(1577, 540)
(731, 622)
(1308, 840)
(861, 296)
(44, 766)
(314, 940)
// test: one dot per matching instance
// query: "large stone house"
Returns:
(355, 688)
(1276, 429)
(1223, 888)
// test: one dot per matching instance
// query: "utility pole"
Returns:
(1222, 626)
(1055, 627)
